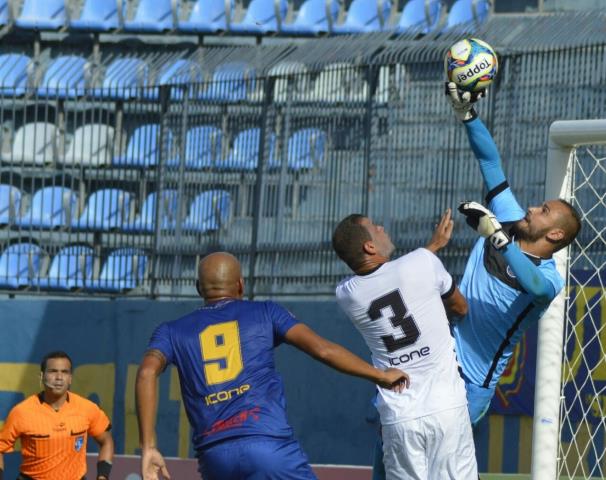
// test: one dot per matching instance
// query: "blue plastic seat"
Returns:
(231, 82)
(51, 207)
(70, 269)
(145, 221)
(20, 264)
(151, 16)
(261, 18)
(207, 16)
(183, 75)
(144, 149)
(123, 270)
(10, 204)
(106, 209)
(64, 78)
(202, 148)
(42, 15)
(124, 78)
(98, 16)
(363, 16)
(466, 15)
(13, 74)
(4, 12)
(420, 16)
(245, 152)
(312, 18)
(306, 149)
(209, 211)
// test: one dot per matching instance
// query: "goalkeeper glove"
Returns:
(462, 102)
(485, 223)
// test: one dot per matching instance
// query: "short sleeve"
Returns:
(98, 422)
(444, 281)
(282, 321)
(10, 432)
(160, 340)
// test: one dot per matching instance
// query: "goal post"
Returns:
(564, 138)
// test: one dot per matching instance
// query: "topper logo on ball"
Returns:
(473, 71)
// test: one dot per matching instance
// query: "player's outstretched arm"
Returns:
(341, 359)
(442, 233)
(152, 462)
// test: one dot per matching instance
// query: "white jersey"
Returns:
(398, 309)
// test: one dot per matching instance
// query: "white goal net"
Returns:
(570, 398)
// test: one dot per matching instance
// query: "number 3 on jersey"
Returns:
(221, 353)
(401, 319)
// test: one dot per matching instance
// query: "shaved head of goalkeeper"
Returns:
(220, 277)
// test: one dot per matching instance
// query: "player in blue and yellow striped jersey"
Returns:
(233, 396)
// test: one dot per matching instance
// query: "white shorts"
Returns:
(434, 447)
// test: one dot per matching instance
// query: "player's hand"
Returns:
(152, 465)
(442, 233)
(395, 379)
(462, 102)
(485, 223)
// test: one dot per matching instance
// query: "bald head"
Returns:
(220, 276)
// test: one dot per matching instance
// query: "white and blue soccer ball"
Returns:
(471, 64)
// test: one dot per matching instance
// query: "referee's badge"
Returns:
(78, 443)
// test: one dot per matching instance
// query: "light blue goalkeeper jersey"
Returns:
(499, 309)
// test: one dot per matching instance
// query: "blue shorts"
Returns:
(255, 458)
(478, 401)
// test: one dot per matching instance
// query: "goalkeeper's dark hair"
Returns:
(55, 354)
(571, 224)
(348, 240)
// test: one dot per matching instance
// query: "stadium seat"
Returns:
(51, 207)
(202, 148)
(466, 15)
(365, 16)
(231, 82)
(420, 17)
(123, 270)
(245, 152)
(152, 16)
(312, 18)
(262, 17)
(64, 78)
(20, 263)
(99, 16)
(145, 221)
(5, 17)
(292, 79)
(10, 204)
(42, 15)
(306, 149)
(124, 78)
(144, 149)
(106, 209)
(340, 82)
(91, 145)
(209, 211)
(70, 269)
(207, 16)
(34, 143)
(182, 75)
(14, 69)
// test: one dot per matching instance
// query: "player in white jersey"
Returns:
(399, 307)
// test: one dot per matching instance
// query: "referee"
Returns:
(53, 427)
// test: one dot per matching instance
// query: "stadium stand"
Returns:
(244, 154)
(14, 68)
(123, 79)
(466, 15)
(365, 16)
(152, 16)
(262, 17)
(124, 269)
(420, 16)
(202, 148)
(70, 269)
(10, 204)
(145, 221)
(64, 78)
(208, 16)
(292, 81)
(231, 82)
(306, 149)
(144, 148)
(34, 143)
(91, 145)
(209, 211)
(20, 264)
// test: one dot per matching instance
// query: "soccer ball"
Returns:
(471, 64)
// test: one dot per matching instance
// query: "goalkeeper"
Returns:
(510, 277)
